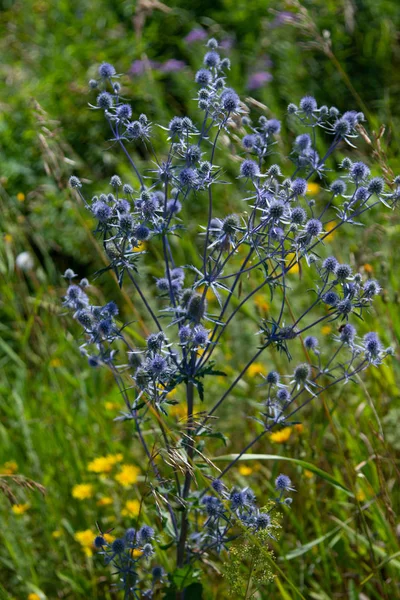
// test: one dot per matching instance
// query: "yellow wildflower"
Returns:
(111, 405)
(104, 501)
(56, 534)
(33, 596)
(313, 188)
(9, 468)
(140, 247)
(279, 437)
(291, 257)
(245, 470)
(256, 369)
(259, 300)
(136, 553)
(299, 427)
(328, 229)
(326, 330)
(82, 491)
(19, 509)
(85, 539)
(20, 197)
(368, 268)
(132, 508)
(308, 474)
(360, 495)
(8, 238)
(104, 464)
(178, 410)
(108, 537)
(128, 475)
(55, 362)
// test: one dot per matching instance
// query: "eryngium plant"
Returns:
(277, 229)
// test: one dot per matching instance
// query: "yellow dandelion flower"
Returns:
(20, 509)
(313, 188)
(299, 427)
(245, 470)
(128, 475)
(279, 437)
(261, 303)
(256, 369)
(326, 330)
(178, 410)
(9, 468)
(104, 464)
(82, 491)
(291, 257)
(108, 537)
(56, 534)
(368, 268)
(33, 596)
(328, 228)
(140, 247)
(136, 553)
(360, 495)
(20, 197)
(85, 539)
(132, 508)
(104, 501)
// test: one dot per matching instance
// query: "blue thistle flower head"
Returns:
(130, 535)
(146, 533)
(338, 187)
(230, 100)
(283, 483)
(101, 211)
(124, 111)
(299, 187)
(347, 334)
(311, 342)
(217, 485)
(106, 70)
(359, 171)
(298, 215)
(203, 77)
(118, 546)
(105, 100)
(376, 186)
(303, 141)
(249, 169)
(330, 264)
(99, 541)
(283, 395)
(74, 182)
(372, 344)
(308, 105)
(331, 298)
(273, 378)
(212, 59)
(263, 521)
(343, 272)
(313, 227)
(302, 373)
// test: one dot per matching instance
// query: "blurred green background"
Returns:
(56, 415)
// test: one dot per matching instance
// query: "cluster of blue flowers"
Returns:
(280, 227)
(225, 510)
(130, 557)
